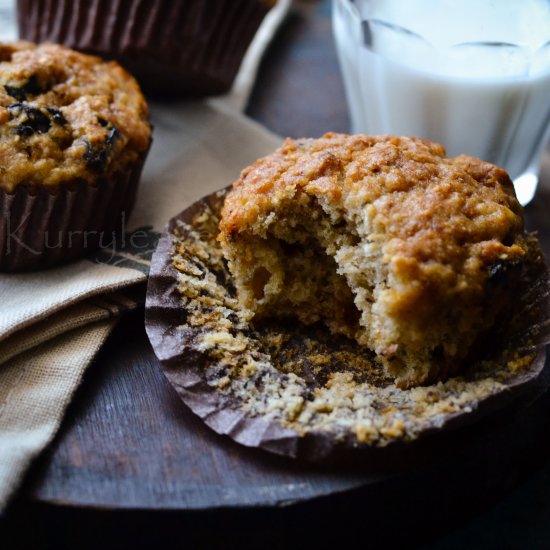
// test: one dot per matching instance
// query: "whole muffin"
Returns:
(383, 239)
(174, 47)
(74, 134)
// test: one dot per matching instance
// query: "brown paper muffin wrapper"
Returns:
(173, 47)
(273, 386)
(43, 229)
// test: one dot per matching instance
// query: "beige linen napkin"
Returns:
(53, 322)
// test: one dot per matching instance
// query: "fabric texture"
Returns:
(53, 322)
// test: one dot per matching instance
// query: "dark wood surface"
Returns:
(128, 443)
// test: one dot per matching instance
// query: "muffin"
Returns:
(74, 134)
(384, 240)
(173, 47)
(298, 390)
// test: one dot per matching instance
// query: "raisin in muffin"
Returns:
(383, 239)
(74, 134)
(174, 47)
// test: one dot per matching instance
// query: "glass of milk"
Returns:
(473, 75)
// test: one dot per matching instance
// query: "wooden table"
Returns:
(119, 472)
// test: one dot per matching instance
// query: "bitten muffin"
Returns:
(174, 47)
(74, 134)
(383, 239)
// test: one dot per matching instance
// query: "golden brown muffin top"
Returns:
(65, 116)
(438, 217)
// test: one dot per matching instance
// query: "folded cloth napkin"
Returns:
(53, 322)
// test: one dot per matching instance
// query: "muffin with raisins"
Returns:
(74, 134)
(385, 240)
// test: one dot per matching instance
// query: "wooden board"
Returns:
(128, 442)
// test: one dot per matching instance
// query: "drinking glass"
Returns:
(473, 75)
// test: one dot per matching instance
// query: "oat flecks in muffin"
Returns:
(66, 116)
(299, 377)
(383, 239)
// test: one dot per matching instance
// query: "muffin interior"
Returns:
(292, 271)
(310, 266)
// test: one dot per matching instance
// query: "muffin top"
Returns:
(66, 116)
(437, 216)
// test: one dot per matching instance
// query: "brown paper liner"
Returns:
(43, 229)
(173, 47)
(186, 367)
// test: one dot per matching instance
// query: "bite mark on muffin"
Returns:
(384, 239)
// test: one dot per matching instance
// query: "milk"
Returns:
(472, 75)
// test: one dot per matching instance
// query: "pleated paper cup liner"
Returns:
(174, 47)
(42, 228)
(302, 392)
